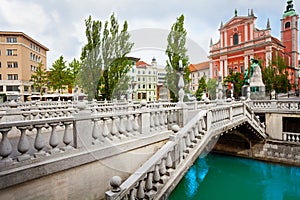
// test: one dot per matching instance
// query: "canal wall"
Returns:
(275, 151)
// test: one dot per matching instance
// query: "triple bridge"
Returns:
(148, 146)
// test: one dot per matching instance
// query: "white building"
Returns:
(197, 71)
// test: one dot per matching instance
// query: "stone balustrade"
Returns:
(38, 138)
(291, 137)
(275, 105)
(160, 174)
(148, 180)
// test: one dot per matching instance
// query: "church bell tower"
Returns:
(289, 33)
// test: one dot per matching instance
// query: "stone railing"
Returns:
(291, 137)
(147, 181)
(34, 142)
(161, 173)
(275, 105)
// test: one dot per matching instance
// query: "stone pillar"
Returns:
(83, 125)
(145, 118)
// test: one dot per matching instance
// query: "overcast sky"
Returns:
(59, 24)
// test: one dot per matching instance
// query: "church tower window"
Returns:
(235, 39)
(287, 25)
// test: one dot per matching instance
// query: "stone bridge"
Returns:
(70, 150)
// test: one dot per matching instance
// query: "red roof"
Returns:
(199, 66)
(141, 64)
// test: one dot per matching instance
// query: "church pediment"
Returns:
(235, 21)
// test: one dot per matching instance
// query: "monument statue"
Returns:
(253, 84)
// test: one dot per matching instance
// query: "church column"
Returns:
(211, 75)
(246, 32)
(221, 68)
(268, 56)
(225, 38)
(225, 67)
(246, 61)
(251, 31)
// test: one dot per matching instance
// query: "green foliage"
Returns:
(238, 81)
(39, 78)
(103, 58)
(211, 88)
(275, 76)
(202, 86)
(59, 76)
(73, 70)
(176, 51)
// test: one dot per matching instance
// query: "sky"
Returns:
(60, 24)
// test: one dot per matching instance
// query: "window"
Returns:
(242, 69)
(0, 76)
(12, 76)
(0, 65)
(9, 52)
(12, 88)
(12, 64)
(144, 86)
(139, 79)
(287, 25)
(1, 88)
(149, 86)
(11, 40)
(235, 39)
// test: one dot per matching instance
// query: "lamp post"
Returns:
(180, 83)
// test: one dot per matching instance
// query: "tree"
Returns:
(237, 80)
(59, 77)
(202, 86)
(39, 78)
(176, 51)
(275, 76)
(103, 58)
(211, 88)
(73, 70)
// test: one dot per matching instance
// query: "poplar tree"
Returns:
(176, 51)
(103, 58)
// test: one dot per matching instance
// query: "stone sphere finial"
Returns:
(115, 183)
(175, 128)
(143, 103)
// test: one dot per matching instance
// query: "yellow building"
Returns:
(19, 57)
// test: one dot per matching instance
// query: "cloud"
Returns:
(59, 24)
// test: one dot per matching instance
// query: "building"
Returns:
(197, 72)
(19, 57)
(240, 41)
(146, 77)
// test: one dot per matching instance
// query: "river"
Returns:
(219, 177)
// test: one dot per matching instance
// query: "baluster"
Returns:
(184, 147)
(156, 120)
(188, 140)
(39, 142)
(136, 124)
(68, 136)
(105, 128)
(196, 131)
(122, 129)
(132, 195)
(23, 145)
(129, 124)
(161, 120)
(114, 128)
(192, 136)
(96, 131)
(175, 116)
(169, 162)
(149, 181)
(166, 119)
(151, 122)
(162, 167)
(53, 138)
(5, 146)
(156, 175)
(140, 191)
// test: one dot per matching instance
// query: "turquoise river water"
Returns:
(219, 177)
